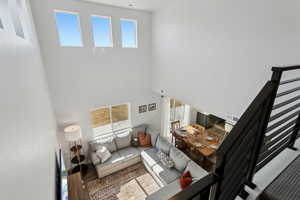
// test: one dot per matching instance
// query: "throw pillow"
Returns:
(161, 155)
(144, 139)
(123, 140)
(103, 153)
(179, 158)
(163, 145)
(168, 162)
(108, 142)
(95, 159)
(154, 136)
(185, 180)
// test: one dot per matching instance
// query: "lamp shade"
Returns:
(72, 133)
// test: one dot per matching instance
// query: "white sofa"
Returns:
(124, 155)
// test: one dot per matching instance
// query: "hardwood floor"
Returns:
(75, 186)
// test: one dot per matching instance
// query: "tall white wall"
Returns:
(216, 55)
(27, 125)
(86, 78)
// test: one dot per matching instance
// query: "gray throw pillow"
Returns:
(163, 145)
(168, 162)
(161, 155)
(108, 142)
(123, 140)
(179, 158)
(95, 159)
(154, 136)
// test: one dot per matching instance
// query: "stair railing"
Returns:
(241, 153)
(284, 123)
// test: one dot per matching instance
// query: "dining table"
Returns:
(204, 141)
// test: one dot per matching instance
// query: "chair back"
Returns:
(175, 125)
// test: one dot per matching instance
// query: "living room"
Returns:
(95, 80)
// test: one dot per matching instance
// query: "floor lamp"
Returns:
(73, 136)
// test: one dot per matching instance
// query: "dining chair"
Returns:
(174, 125)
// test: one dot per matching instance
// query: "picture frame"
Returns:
(142, 108)
(152, 107)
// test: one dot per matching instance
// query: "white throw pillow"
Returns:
(103, 154)
(95, 159)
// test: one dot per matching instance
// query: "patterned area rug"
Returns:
(132, 183)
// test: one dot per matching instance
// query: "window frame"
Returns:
(135, 21)
(79, 26)
(110, 29)
(113, 131)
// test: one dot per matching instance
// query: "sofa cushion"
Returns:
(140, 149)
(196, 171)
(163, 145)
(113, 160)
(129, 152)
(165, 175)
(179, 158)
(108, 142)
(154, 136)
(123, 140)
(150, 157)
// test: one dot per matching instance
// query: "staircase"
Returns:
(269, 125)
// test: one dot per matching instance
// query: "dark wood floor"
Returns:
(76, 191)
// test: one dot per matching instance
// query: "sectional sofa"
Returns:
(125, 155)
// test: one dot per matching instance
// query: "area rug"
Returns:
(132, 183)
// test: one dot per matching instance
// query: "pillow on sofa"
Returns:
(123, 140)
(95, 159)
(161, 155)
(103, 154)
(185, 180)
(154, 136)
(108, 142)
(179, 158)
(163, 145)
(144, 139)
(168, 162)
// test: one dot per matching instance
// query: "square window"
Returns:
(102, 31)
(68, 29)
(111, 119)
(129, 33)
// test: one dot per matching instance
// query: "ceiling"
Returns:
(148, 5)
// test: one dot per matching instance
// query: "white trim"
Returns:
(165, 117)
(110, 29)
(136, 32)
(79, 24)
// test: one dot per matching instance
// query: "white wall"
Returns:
(27, 125)
(216, 55)
(86, 78)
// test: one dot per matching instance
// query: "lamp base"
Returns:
(84, 169)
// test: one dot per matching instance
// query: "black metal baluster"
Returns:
(295, 134)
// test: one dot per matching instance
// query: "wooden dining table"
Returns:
(206, 142)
